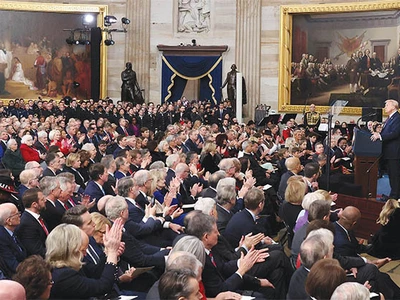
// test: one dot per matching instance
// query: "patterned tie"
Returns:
(16, 242)
(43, 225)
(212, 259)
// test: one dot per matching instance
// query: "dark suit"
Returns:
(108, 186)
(40, 147)
(170, 175)
(49, 172)
(391, 152)
(297, 285)
(209, 192)
(94, 259)
(72, 284)
(52, 215)
(12, 252)
(192, 146)
(224, 217)
(95, 193)
(346, 244)
(139, 254)
(283, 184)
(78, 176)
(31, 235)
(241, 224)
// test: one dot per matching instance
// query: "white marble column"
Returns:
(248, 50)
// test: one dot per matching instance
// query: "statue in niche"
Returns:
(194, 16)
(130, 90)
(230, 82)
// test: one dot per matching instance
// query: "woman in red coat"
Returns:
(28, 152)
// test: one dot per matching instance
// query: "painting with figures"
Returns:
(352, 56)
(36, 60)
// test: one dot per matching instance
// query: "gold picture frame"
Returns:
(26, 21)
(336, 31)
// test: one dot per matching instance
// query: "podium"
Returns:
(367, 155)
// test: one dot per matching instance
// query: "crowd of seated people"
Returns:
(95, 199)
(362, 71)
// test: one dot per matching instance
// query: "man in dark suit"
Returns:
(109, 163)
(32, 230)
(192, 142)
(213, 180)
(226, 200)
(51, 190)
(98, 174)
(390, 137)
(11, 249)
(220, 275)
(53, 164)
(136, 253)
(313, 249)
(245, 221)
(293, 166)
(42, 144)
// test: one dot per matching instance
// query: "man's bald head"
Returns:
(350, 215)
(11, 290)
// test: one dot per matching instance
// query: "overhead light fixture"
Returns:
(125, 21)
(109, 20)
(87, 20)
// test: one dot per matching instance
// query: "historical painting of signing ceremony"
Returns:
(350, 56)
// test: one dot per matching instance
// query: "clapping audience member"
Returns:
(66, 245)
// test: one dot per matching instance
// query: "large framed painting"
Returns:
(348, 51)
(51, 51)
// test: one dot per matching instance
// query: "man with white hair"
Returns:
(137, 253)
(33, 165)
(317, 246)
(213, 180)
(11, 250)
(187, 194)
(351, 291)
(42, 143)
(50, 186)
(29, 179)
(172, 161)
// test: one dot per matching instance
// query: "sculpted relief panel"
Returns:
(193, 16)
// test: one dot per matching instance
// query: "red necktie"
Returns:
(65, 206)
(43, 225)
(212, 259)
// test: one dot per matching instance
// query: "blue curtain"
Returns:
(176, 70)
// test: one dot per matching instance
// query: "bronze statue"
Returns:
(231, 89)
(130, 90)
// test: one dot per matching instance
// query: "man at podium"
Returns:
(390, 137)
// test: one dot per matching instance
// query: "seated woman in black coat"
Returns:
(210, 158)
(386, 242)
(66, 244)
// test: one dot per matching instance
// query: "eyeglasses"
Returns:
(16, 214)
(102, 232)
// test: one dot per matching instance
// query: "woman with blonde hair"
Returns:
(210, 158)
(72, 165)
(66, 245)
(386, 242)
(163, 200)
(291, 207)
